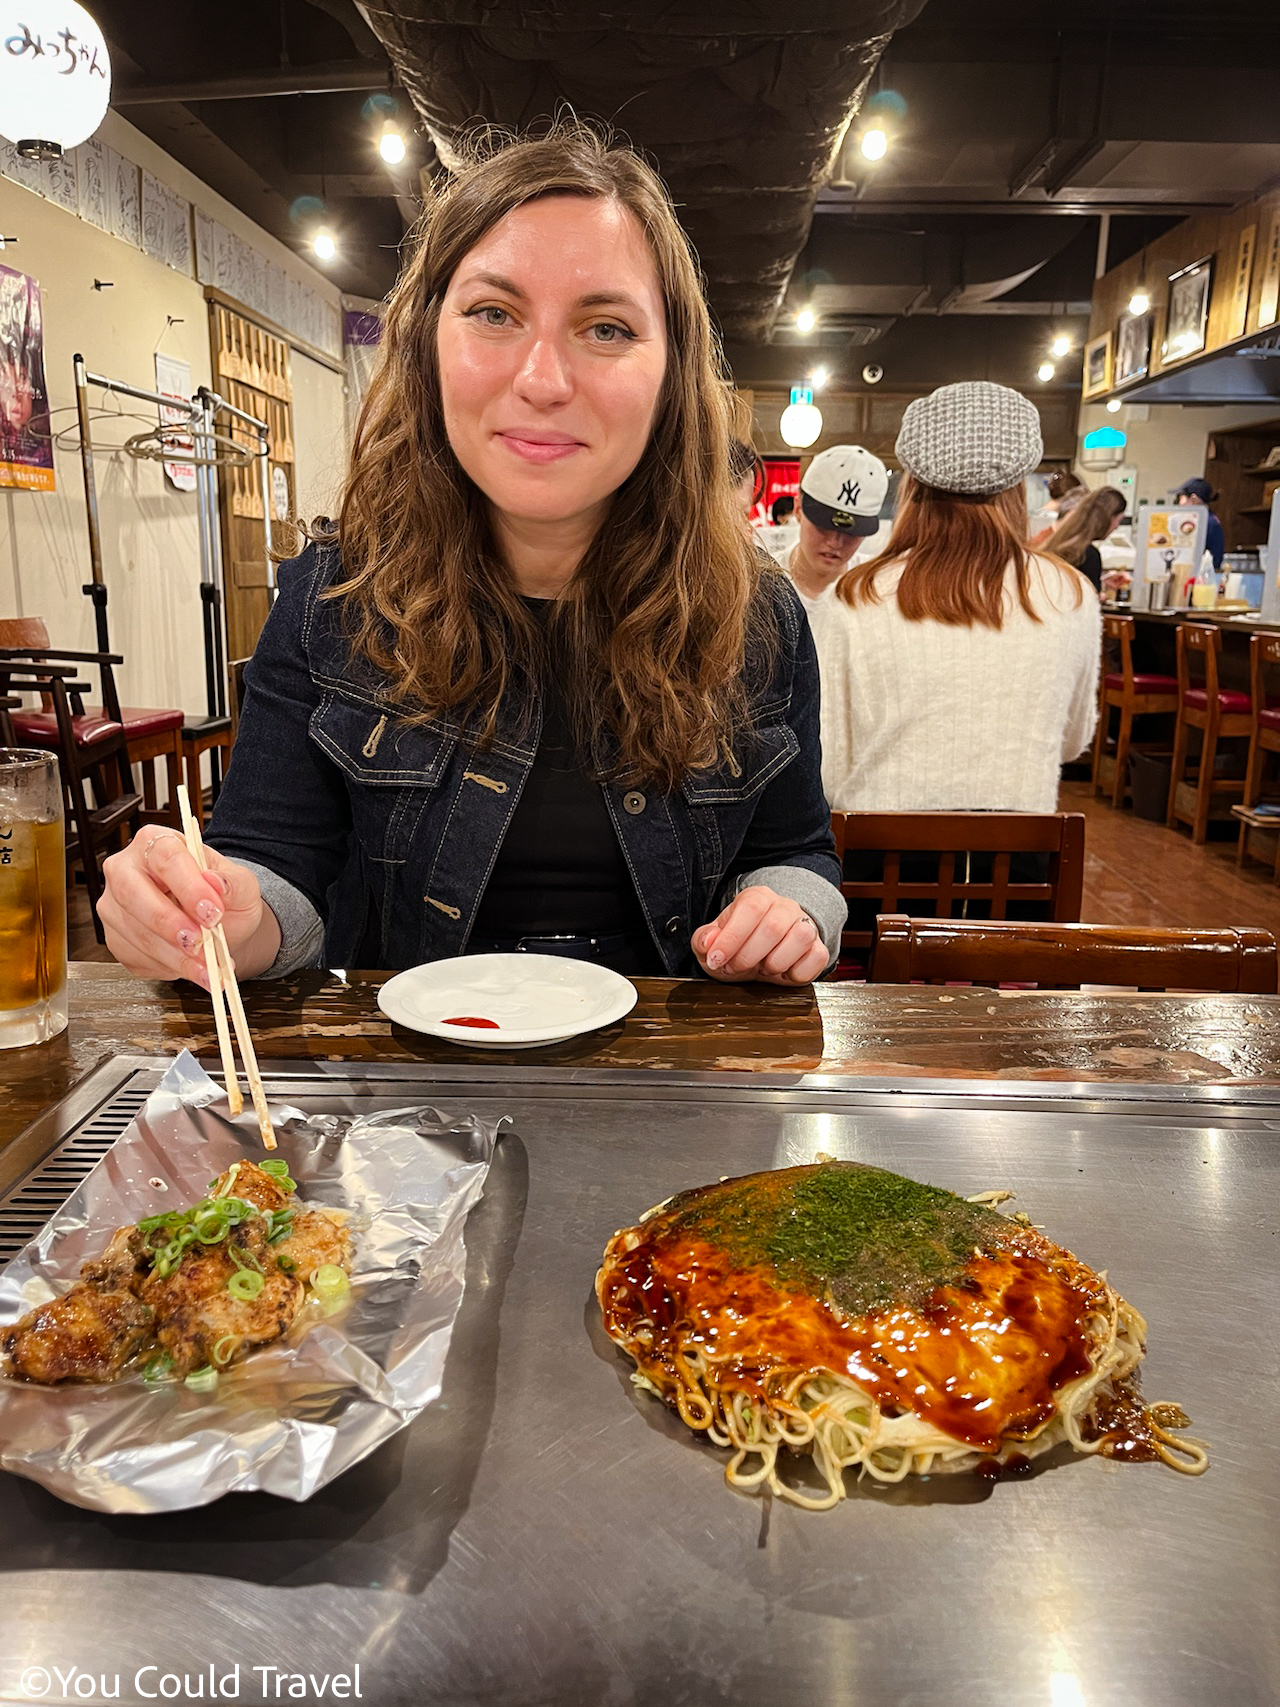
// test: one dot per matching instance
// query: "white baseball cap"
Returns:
(843, 490)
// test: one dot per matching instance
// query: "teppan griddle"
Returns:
(546, 1534)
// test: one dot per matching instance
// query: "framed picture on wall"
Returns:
(1097, 365)
(1133, 346)
(1188, 318)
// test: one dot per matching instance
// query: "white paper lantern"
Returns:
(800, 424)
(55, 75)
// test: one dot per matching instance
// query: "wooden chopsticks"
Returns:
(226, 992)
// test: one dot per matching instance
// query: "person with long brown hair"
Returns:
(536, 689)
(959, 668)
(1075, 538)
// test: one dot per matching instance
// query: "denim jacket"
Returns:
(373, 837)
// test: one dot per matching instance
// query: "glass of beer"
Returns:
(33, 900)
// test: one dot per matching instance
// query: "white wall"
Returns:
(1168, 446)
(319, 436)
(149, 537)
(151, 560)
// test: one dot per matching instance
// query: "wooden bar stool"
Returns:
(199, 735)
(152, 732)
(1133, 696)
(1264, 652)
(1221, 714)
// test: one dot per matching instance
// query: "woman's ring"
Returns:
(160, 836)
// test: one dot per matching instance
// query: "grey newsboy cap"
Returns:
(974, 437)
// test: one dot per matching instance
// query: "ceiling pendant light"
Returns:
(801, 420)
(806, 320)
(391, 146)
(875, 143)
(324, 245)
(55, 77)
(1045, 372)
(1060, 346)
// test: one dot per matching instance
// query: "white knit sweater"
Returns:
(923, 717)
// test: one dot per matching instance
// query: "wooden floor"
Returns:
(1136, 873)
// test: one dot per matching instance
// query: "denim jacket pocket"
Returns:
(756, 760)
(391, 767)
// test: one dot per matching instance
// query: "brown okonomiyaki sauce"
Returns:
(976, 1339)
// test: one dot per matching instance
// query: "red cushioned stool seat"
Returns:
(1270, 718)
(41, 728)
(1146, 684)
(140, 720)
(1229, 700)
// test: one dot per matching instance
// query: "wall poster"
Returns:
(26, 449)
(173, 379)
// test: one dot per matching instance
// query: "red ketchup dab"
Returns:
(470, 1019)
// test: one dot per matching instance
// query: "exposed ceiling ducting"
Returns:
(743, 104)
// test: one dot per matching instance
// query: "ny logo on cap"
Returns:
(850, 492)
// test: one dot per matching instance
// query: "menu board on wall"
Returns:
(124, 199)
(91, 183)
(96, 184)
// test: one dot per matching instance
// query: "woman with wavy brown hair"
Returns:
(1075, 539)
(535, 689)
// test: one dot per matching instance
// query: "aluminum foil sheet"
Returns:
(293, 1415)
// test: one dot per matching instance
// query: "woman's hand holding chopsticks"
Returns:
(157, 901)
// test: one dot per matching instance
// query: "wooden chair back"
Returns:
(953, 837)
(1199, 643)
(23, 631)
(1064, 956)
(9, 703)
(1120, 629)
(103, 809)
(1264, 654)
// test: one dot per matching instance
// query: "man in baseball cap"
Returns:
(841, 495)
(1198, 491)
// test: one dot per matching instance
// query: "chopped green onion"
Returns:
(232, 1171)
(278, 1168)
(245, 1286)
(158, 1367)
(329, 1280)
(221, 1357)
(202, 1380)
(244, 1260)
(287, 1264)
(281, 1225)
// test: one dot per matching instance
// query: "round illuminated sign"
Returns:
(55, 75)
(800, 425)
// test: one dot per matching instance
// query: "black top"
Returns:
(560, 870)
(1090, 566)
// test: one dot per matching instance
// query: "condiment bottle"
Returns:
(1204, 594)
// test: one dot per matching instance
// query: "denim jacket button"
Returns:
(673, 927)
(634, 802)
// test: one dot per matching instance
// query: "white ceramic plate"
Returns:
(532, 998)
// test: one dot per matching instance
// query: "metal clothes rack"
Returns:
(205, 410)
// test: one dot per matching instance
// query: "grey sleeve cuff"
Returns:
(301, 927)
(822, 901)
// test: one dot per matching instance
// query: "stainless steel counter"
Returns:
(547, 1535)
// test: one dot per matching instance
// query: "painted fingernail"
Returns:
(207, 913)
(187, 941)
(715, 960)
